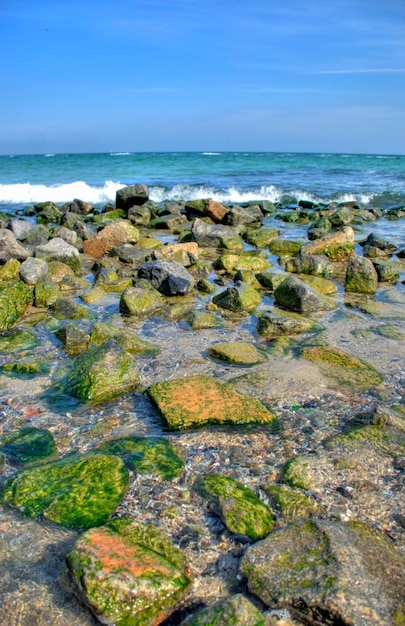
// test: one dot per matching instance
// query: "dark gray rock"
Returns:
(10, 248)
(168, 277)
(130, 196)
(295, 295)
(33, 271)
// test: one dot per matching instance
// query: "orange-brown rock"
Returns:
(115, 234)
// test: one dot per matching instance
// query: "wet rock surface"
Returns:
(312, 432)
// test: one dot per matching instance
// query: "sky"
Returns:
(192, 75)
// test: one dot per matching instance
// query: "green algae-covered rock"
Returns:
(236, 609)
(240, 352)
(260, 237)
(46, 293)
(336, 245)
(129, 574)
(234, 262)
(65, 309)
(273, 324)
(270, 280)
(10, 271)
(195, 401)
(298, 472)
(102, 331)
(102, 373)
(361, 276)
(199, 320)
(139, 301)
(147, 455)
(238, 298)
(293, 504)
(344, 368)
(30, 366)
(323, 285)
(78, 491)
(17, 341)
(28, 445)
(348, 572)
(240, 510)
(296, 295)
(287, 247)
(14, 299)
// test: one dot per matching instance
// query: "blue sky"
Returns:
(163, 75)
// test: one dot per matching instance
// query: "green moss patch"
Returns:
(28, 446)
(76, 491)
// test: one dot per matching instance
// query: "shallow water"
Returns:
(309, 406)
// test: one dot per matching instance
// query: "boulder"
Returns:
(215, 235)
(114, 234)
(206, 208)
(59, 250)
(168, 277)
(336, 246)
(361, 276)
(347, 573)
(199, 400)
(238, 298)
(10, 248)
(33, 271)
(238, 507)
(78, 491)
(129, 574)
(14, 299)
(295, 295)
(243, 215)
(130, 196)
(77, 206)
(102, 373)
(313, 264)
(138, 301)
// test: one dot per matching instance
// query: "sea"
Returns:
(229, 177)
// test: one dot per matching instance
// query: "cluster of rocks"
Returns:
(130, 573)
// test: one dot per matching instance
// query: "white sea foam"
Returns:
(25, 193)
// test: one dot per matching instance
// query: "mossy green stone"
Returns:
(109, 216)
(323, 285)
(18, 341)
(281, 247)
(234, 262)
(102, 331)
(68, 309)
(14, 299)
(344, 368)
(78, 491)
(270, 280)
(261, 237)
(102, 373)
(202, 319)
(241, 297)
(241, 511)
(147, 455)
(228, 612)
(292, 503)
(138, 301)
(194, 401)
(46, 293)
(240, 352)
(26, 366)
(28, 445)
(10, 271)
(297, 472)
(129, 574)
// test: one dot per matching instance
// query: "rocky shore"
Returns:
(203, 414)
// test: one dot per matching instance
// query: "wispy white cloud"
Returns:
(370, 70)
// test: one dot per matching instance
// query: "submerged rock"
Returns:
(296, 295)
(128, 574)
(273, 324)
(240, 510)
(236, 609)
(147, 455)
(340, 573)
(240, 352)
(102, 373)
(344, 368)
(28, 446)
(78, 491)
(292, 504)
(199, 400)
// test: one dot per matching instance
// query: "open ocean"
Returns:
(376, 180)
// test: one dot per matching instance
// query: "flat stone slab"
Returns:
(199, 400)
(129, 574)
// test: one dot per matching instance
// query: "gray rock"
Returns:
(313, 264)
(58, 250)
(215, 235)
(340, 573)
(168, 277)
(295, 295)
(387, 272)
(130, 196)
(77, 206)
(10, 248)
(33, 271)
(243, 215)
(21, 228)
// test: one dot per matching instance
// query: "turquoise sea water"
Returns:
(377, 180)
